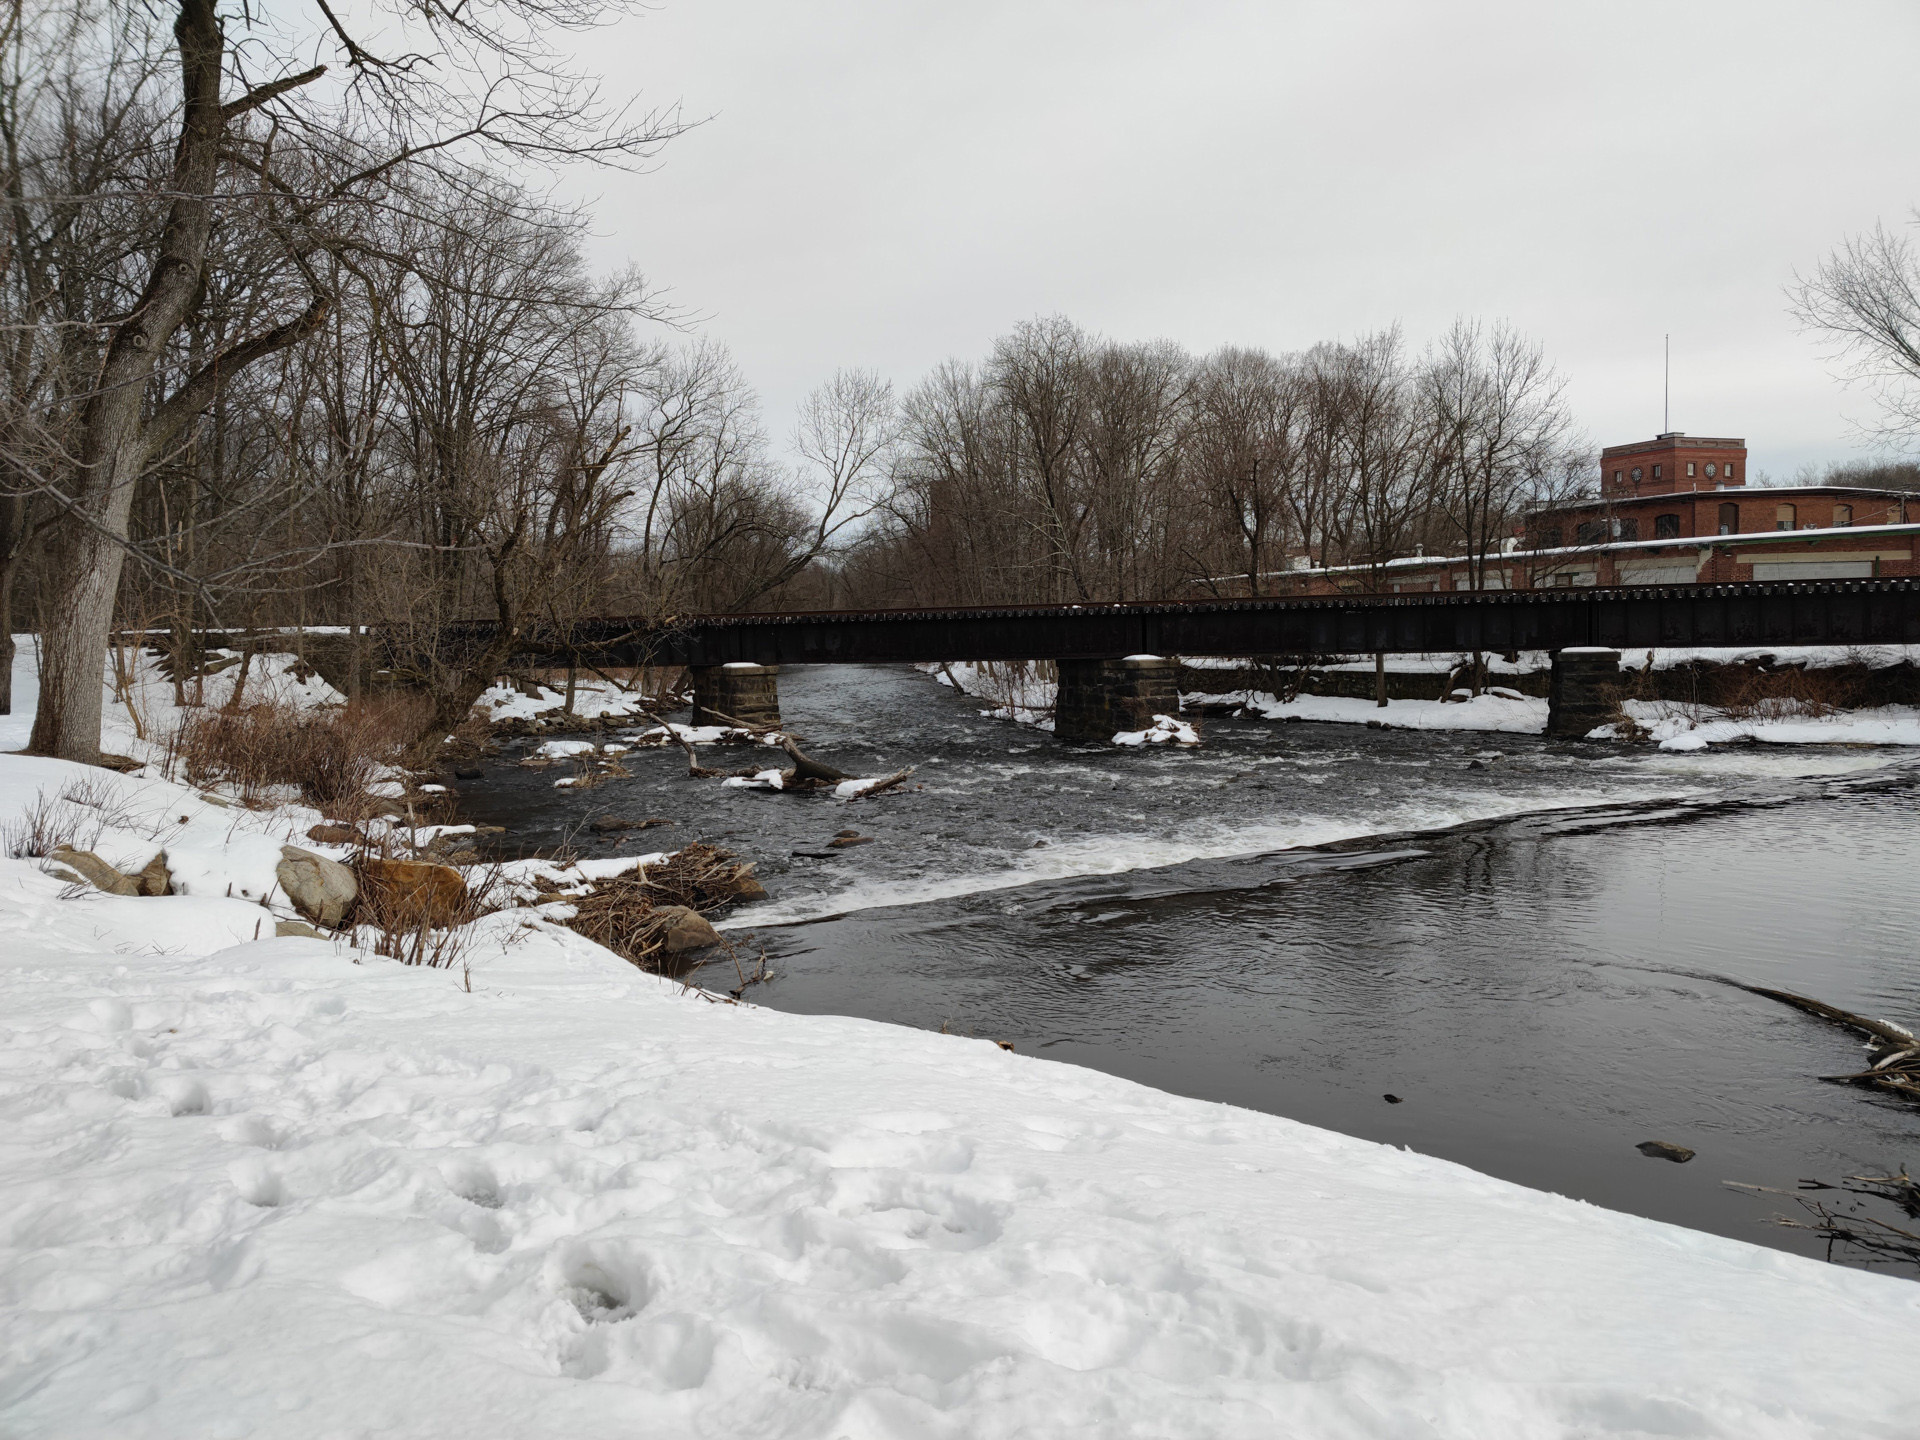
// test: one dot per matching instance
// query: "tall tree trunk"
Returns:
(113, 442)
(6, 637)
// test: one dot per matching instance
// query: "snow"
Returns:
(762, 780)
(254, 1186)
(1166, 729)
(260, 1188)
(560, 749)
(1675, 727)
(1023, 695)
(1506, 712)
(1526, 662)
(854, 789)
(592, 700)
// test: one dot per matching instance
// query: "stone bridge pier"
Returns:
(1098, 698)
(723, 694)
(1583, 691)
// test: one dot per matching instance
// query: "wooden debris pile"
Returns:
(651, 917)
(1894, 1050)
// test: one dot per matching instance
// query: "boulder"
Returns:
(411, 892)
(745, 887)
(299, 929)
(156, 879)
(320, 889)
(682, 929)
(95, 871)
(469, 772)
(332, 834)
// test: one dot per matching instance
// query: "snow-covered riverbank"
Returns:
(279, 1187)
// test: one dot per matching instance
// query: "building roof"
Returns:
(1675, 440)
(1570, 552)
(1729, 492)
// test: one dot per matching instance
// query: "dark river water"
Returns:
(1528, 942)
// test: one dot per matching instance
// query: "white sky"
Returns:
(885, 185)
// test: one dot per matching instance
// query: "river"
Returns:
(1528, 943)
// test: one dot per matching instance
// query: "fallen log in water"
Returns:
(809, 775)
(1895, 1049)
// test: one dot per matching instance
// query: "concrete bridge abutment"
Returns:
(724, 694)
(1583, 691)
(1097, 699)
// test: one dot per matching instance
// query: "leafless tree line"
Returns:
(1069, 468)
(282, 345)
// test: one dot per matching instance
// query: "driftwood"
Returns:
(809, 774)
(806, 768)
(1895, 1050)
(695, 770)
(1848, 1224)
(749, 726)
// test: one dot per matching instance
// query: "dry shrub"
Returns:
(74, 817)
(396, 923)
(330, 756)
(1789, 693)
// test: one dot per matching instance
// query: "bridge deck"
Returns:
(1807, 612)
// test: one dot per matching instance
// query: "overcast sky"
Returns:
(885, 185)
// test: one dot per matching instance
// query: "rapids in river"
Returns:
(1527, 943)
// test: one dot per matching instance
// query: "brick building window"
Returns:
(1729, 519)
(1617, 477)
(1626, 529)
(1689, 467)
(1590, 532)
(1656, 472)
(1666, 527)
(1843, 515)
(1729, 469)
(1783, 517)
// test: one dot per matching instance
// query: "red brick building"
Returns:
(1675, 510)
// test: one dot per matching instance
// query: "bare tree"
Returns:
(1501, 430)
(1864, 299)
(471, 78)
(1244, 453)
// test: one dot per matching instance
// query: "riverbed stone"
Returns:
(323, 890)
(95, 871)
(156, 879)
(295, 929)
(682, 929)
(1664, 1150)
(331, 833)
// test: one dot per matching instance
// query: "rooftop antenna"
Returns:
(1666, 391)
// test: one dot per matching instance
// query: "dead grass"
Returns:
(1789, 693)
(330, 757)
(1749, 691)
